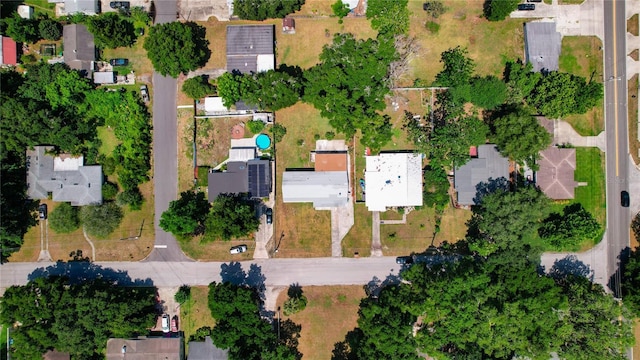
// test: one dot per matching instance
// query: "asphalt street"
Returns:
(617, 144)
(165, 148)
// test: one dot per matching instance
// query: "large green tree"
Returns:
(78, 318)
(262, 10)
(186, 215)
(64, 218)
(176, 47)
(519, 136)
(101, 220)
(458, 67)
(21, 30)
(50, 29)
(198, 87)
(388, 17)
(631, 282)
(566, 231)
(111, 30)
(560, 94)
(498, 10)
(231, 216)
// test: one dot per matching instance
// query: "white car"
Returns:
(144, 92)
(165, 323)
(238, 249)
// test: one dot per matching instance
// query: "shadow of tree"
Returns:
(295, 291)
(487, 187)
(81, 271)
(615, 280)
(570, 265)
(233, 273)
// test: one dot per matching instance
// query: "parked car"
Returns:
(404, 260)
(165, 323)
(124, 5)
(144, 92)
(534, 0)
(174, 324)
(526, 7)
(238, 249)
(624, 199)
(119, 62)
(42, 211)
(269, 214)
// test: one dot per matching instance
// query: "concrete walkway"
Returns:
(342, 219)
(565, 134)
(44, 242)
(376, 245)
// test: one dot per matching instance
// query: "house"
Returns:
(169, 348)
(251, 177)
(289, 25)
(64, 177)
(56, 355)
(555, 176)
(250, 48)
(214, 104)
(205, 350)
(104, 77)
(87, 7)
(488, 165)
(542, 44)
(79, 48)
(25, 11)
(8, 51)
(393, 180)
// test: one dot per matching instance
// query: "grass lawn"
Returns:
(358, 240)
(490, 44)
(185, 155)
(3, 342)
(195, 313)
(582, 55)
(634, 144)
(137, 55)
(217, 250)
(570, 2)
(109, 140)
(331, 312)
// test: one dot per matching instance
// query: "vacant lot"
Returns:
(137, 55)
(195, 313)
(331, 312)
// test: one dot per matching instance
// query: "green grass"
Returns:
(195, 313)
(108, 139)
(3, 342)
(42, 6)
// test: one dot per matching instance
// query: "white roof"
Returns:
(351, 3)
(322, 188)
(393, 179)
(214, 104)
(242, 153)
(266, 62)
(104, 77)
(67, 163)
(25, 11)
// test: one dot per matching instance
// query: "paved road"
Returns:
(165, 148)
(616, 126)
(276, 272)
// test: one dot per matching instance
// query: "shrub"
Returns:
(198, 87)
(109, 191)
(434, 8)
(340, 9)
(330, 135)
(64, 218)
(183, 295)
(316, 137)
(101, 220)
(432, 26)
(498, 10)
(132, 197)
(255, 126)
(278, 131)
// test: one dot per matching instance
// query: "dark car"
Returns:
(624, 199)
(526, 7)
(124, 5)
(119, 62)
(404, 260)
(269, 214)
(42, 211)
(534, 0)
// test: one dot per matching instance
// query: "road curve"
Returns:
(165, 149)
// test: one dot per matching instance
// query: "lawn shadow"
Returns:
(373, 287)
(234, 273)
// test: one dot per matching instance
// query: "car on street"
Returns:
(144, 92)
(526, 7)
(123, 5)
(404, 260)
(165, 323)
(624, 199)
(119, 62)
(238, 249)
(42, 211)
(269, 215)
(534, 0)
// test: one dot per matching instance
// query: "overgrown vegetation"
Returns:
(498, 10)
(105, 26)
(231, 216)
(262, 10)
(186, 216)
(176, 47)
(101, 220)
(64, 218)
(198, 87)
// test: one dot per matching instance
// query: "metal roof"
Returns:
(88, 7)
(393, 179)
(104, 77)
(169, 348)
(489, 165)
(247, 46)
(322, 188)
(206, 350)
(542, 45)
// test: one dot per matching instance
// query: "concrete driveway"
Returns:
(571, 20)
(202, 10)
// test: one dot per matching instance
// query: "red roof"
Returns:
(473, 151)
(9, 51)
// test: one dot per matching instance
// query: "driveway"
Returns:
(202, 10)
(571, 20)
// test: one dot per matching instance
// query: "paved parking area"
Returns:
(104, 5)
(202, 10)
(571, 20)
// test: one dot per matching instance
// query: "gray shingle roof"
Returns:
(542, 45)
(253, 177)
(488, 165)
(205, 350)
(79, 47)
(322, 188)
(89, 7)
(81, 186)
(245, 43)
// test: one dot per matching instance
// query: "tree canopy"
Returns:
(388, 17)
(64, 218)
(50, 29)
(498, 10)
(186, 215)
(176, 47)
(568, 230)
(111, 30)
(631, 282)
(262, 10)
(78, 318)
(101, 220)
(458, 68)
(21, 30)
(519, 136)
(231, 216)
(198, 87)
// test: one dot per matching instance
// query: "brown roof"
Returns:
(56, 355)
(145, 349)
(555, 177)
(331, 161)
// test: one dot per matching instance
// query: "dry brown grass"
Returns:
(195, 313)
(634, 144)
(185, 159)
(632, 25)
(316, 8)
(331, 312)
(217, 250)
(570, 2)
(137, 56)
(634, 54)
(490, 44)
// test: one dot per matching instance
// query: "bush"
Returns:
(183, 295)
(108, 165)
(262, 10)
(28, 59)
(109, 191)
(132, 197)
(198, 87)
(498, 10)
(340, 9)
(50, 29)
(330, 135)
(64, 218)
(278, 131)
(101, 220)
(294, 305)
(434, 8)
(432, 26)
(255, 126)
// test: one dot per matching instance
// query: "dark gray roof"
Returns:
(79, 47)
(205, 350)
(488, 165)
(259, 178)
(232, 181)
(542, 45)
(245, 43)
(81, 186)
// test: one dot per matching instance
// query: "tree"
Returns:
(635, 225)
(230, 87)
(388, 17)
(55, 312)
(520, 137)
(138, 14)
(109, 190)
(278, 131)
(186, 215)
(50, 29)
(559, 94)
(183, 295)
(296, 301)
(231, 216)
(458, 68)
(101, 220)
(520, 80)
(105, 26)
(568, 230)
(436, 188)
(434, 8)
(262, 10)
(64, 218)
(498, 10)
(176, 47)
(198, 87)
(487, 92)
(255, 126)
(631, 282)
(340, 9)
(21, 30)
(449, 143)
(131, 197)
(274, 89)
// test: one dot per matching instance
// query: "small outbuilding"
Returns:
(289, 25)
(8, 51)
(104, 77)
(542, 44)
(25, 11)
